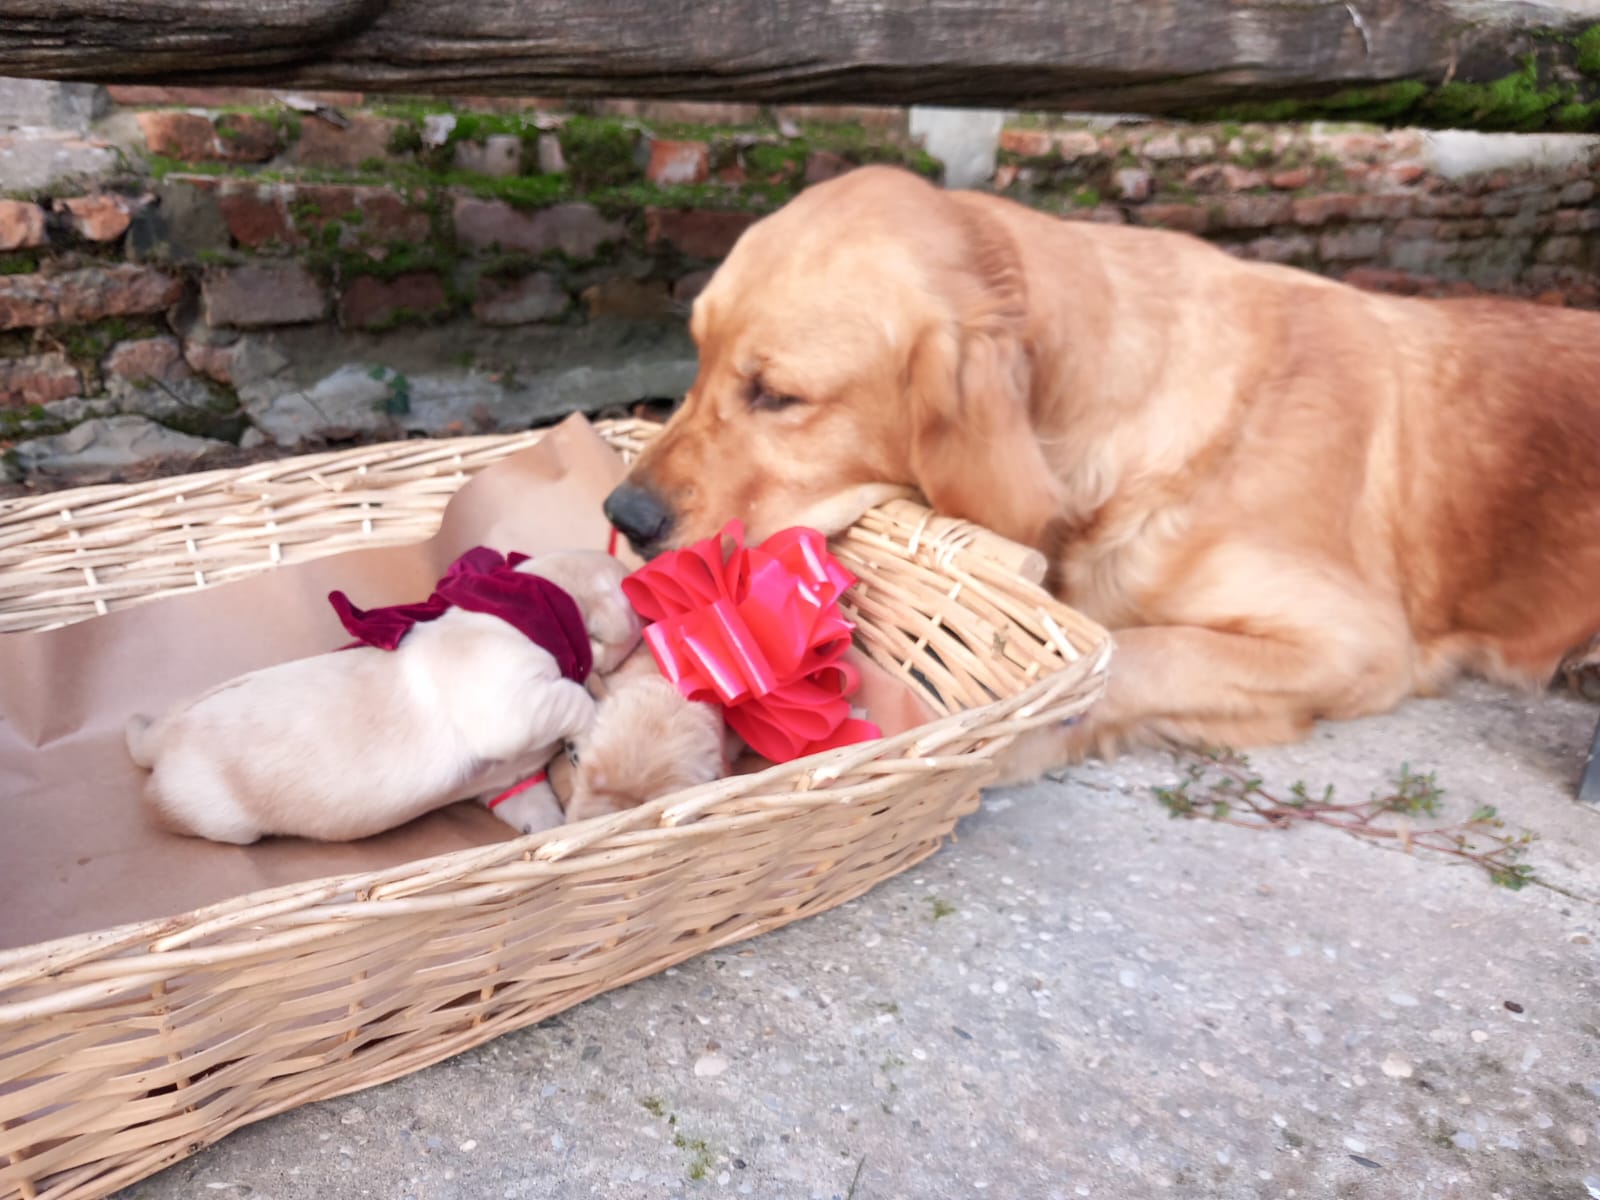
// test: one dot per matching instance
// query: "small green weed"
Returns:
(398, 402)
(1219, 785)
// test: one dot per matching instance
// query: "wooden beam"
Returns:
(1360, 58)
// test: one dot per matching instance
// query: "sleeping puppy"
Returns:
(614, 629)
(351, 743)
(646, 741)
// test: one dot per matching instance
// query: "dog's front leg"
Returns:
(1206, 687)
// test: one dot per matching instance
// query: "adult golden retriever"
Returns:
(1289, 498)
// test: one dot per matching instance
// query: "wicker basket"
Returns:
(124, 1050)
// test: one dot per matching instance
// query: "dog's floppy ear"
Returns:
(974, 453)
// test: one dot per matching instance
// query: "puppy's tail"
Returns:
(141, 735)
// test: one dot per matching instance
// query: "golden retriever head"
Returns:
(864, 341)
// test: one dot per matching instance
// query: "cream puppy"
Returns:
(348, 744)
(646, 741)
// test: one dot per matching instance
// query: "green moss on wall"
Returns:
(1519, 101)
(600, 152)
(1587, 46)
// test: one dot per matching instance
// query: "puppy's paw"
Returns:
(532, 810)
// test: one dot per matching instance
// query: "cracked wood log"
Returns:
(1499, 63)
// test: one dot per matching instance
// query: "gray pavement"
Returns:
(1080, 997)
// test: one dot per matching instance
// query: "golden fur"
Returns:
(1291, 499)
(647, 741)
(347, 744)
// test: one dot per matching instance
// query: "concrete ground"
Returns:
(1080, 997)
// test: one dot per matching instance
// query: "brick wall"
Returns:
(209, 274)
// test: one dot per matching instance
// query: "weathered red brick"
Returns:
(252, 297)
(157, 358)
(257, 216)
(1580, 192)
(699, 233)
(185, 135)
(21, 225)
(1567, 220)
(1027, 143)
(246, 137)
(1073, 144)
(324, 144)
(37, 379)
(1319, 210)
(1408, 255)
(1162, 146)
(214, 362)
(1191, 218)
(1561, 249)
(1417, 227)
(1098, 214)
(577, 230)
(1291, 180)
(195, 137)
(1357, 241)
(1352, 146)
(1446, 204)
(1256, 212)
(1404, 174)
(101, 218)
(678, 162)
(372, 214)
(633, 299)
(77, 297)
(1224, 177)
(186, 97)
(1494, 181)
(1292, 247)
(368, 301)
(1385, 206)
(535, 297)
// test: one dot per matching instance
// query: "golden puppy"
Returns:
(646, 741)
(1291, 499)
(348, 744)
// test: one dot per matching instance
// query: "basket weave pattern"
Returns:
(124, 1050)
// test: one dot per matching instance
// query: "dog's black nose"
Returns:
(639, 514)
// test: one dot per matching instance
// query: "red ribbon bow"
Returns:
(759, 632)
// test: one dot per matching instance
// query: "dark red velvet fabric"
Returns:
(483, 581)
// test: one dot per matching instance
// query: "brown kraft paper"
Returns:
(79, 851)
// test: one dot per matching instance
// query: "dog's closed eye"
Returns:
(765, 399)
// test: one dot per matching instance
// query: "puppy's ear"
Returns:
(974, 453)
